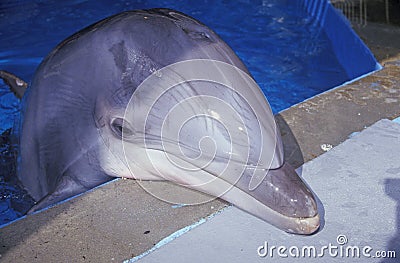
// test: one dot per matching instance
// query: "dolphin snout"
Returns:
(282, 199)
(285, 192)
(288, 195)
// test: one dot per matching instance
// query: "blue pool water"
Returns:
(288, 54)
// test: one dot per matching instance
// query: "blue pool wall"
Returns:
(350, 50)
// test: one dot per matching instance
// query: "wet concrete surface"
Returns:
(329, 118)
(109, 224)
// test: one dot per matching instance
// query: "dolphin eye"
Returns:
(121, 128)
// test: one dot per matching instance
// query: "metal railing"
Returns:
(356, 10)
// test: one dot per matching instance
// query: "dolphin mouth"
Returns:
(306, 226)
(300, 226)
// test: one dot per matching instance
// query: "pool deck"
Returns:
(120, 221)
(343, 180)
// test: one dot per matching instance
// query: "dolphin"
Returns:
(156, 95)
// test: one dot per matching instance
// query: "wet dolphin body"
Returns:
(75, 121)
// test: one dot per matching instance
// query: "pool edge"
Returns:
(330, 117)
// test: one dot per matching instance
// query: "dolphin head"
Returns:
(205, 124)
(198, 119)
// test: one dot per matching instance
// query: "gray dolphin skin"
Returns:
(82, 119)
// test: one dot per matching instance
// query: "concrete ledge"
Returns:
(114, 222)
(329, 118)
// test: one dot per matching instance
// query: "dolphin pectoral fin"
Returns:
(16, 85)
(66, 188)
